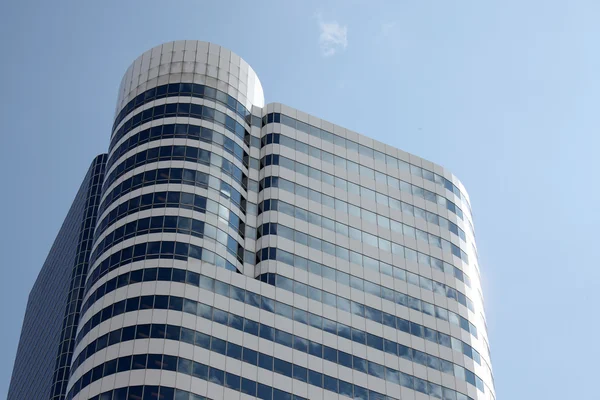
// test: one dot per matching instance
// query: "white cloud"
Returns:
(387, 28)
(333, 37)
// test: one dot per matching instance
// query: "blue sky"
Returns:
(503, 93)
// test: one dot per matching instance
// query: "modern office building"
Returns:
(41, 369)
(248, 250)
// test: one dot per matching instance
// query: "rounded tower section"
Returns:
(174, 198)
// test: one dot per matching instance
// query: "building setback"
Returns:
(244, 250)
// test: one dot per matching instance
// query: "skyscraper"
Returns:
(41, 369)
(246, 250)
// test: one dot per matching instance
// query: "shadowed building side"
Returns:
(46, 344)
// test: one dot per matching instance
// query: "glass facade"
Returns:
(243, 250)
(43, 360)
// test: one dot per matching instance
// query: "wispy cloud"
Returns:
(333, 37)
(387, 28)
